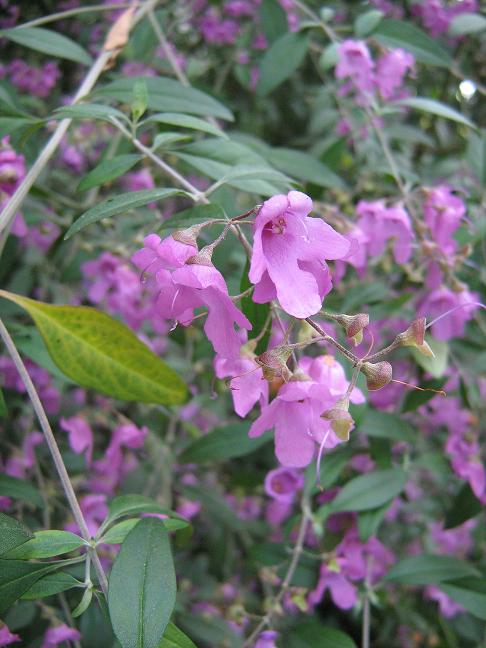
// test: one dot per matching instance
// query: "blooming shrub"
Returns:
(243, 368)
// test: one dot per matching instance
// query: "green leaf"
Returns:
(429, 569)
(120, 204)
(332, 465)
(20, 489)
(370, 491)
(50, 585)
(435, 108)
(369, 521)
(304, 167)
(467, 23)
(98, 352)
(192, 216)
(118, 532)
(140, 99)
(476, 154)
(3, 405)
(389, 426)
(88, 111)
(46, 544)
(464, 507)
(414, 399)
(12, 533)
(48, 42)
(227, 442)
(166, 139)
(17, 576)
(142, 586)
(167, 95)
(257, 314)
(124, 505)
(244, 172)
(280, 61)
(367, 22)
(329, 57)
(273, 20)
(186, 121)
(312, 633)
(84, 603)
(470, 593)
(435, 366)
(398, 33)
(175, 638)
(108, 170)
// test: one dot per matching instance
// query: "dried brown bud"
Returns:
(354, 325)
(203, 257)
(274, 363)
(378, 374)
(187, 236)
(414, 336)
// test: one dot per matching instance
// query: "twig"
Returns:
(8, 214)
(60, 15)
(296, 553)
(327, 338)
(178, 71)
(55, 453)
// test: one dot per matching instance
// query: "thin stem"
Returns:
(60, 15)
(365, 628)
(178, 71)
(327, 338)
(296, 554)
(54, 450)
(8, 214)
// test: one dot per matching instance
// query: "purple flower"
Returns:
(289, 252)
(447, 606)
(267, 639)
(282, 484)
(59, 634)
(247, 383)
(6, 637)
(444, 212)
(355, 63)
(442, 300)
(80, 435)
(381, 224)
(391, 68)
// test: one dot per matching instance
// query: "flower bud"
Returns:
(274, 363)
(187, 236)
(414, 337)
(378, 374)
(341, 420)
(203, 257)
(354, 325)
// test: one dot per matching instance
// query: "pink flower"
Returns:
(289, 252)
(391, 67)
(442, 300)
(59, 634)
(444, 212)
(267, 639)
(343, 593)
(355, 63)
(6, 637)
(80, 435)
(447, 606)
(247, 383)
(282, 484)
(381, 223)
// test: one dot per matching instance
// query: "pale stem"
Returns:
(365, 629)
(350, 356)
(55, 452)
(178, 71)
(296, 554)
(8, 214)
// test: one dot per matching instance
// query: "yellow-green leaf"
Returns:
(96, 351)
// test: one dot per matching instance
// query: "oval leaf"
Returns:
(98, 352)
(280, 61)
(467, 23)
(429, 569)
(17, 576)
(48, 42)
(51, 584)
(19, 489)
(370, 491)
(435, 108)
(142, 587)
(397, 33)
(108, 170)
(175, 638)
(186, 121)
(470, 593)
(133, 505)
(120, 204)
(12, 533)
(46, 544)
(88, 111)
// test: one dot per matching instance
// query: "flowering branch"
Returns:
(55, 453)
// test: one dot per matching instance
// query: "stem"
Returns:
(296, 553)
(8, 214)
(54, 450)
(365, 630)
(178, 71)
(327, 338)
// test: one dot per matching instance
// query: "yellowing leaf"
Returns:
(98, 352)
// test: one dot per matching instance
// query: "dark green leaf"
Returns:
(470, 593)
(120, 204)
(257, 314)
(332, 465)
(304, 167)
(370, 491)
(175, 638)
(48, 42)
(397, 33)
(97, 351)
(46, 544)
(17, 576)
(192, 216)
(312, 633)
(414, 399)
(389, 426)
(118, 532)
(19, 489)
(167, 95)
(273, 20)
(84, 603)
(12, 533)
(435, 108)
(369, 521)
(108, 170)
(3, 405)
(50, 585)
(429, 569)
(280, 61)
(142, 586)
(124, 505)
(224, 443)
(464, 507)
(367, 22)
